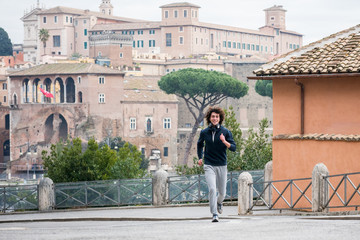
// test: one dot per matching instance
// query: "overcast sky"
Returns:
(314, 19)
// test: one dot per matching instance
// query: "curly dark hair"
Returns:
(217, 110)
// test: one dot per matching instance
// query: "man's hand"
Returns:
(222, 138)
(200, 162)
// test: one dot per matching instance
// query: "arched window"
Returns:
(59, 95)
(80, 99)
(36, 91)
(70, 90)
(25, 91)
(148, 125)
(47, 87)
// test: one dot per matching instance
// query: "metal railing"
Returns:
(103, 193)
(347, 193)
(18, 198)
(193, 188)
(282, 194)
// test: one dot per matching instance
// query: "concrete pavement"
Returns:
(176, 222)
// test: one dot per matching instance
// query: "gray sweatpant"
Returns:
(216, 177)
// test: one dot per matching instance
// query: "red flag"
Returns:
(46, 93)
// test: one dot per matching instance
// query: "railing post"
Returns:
(268, 177)
(245, 193)
(159, 187)
(319, 188)
(46, 195)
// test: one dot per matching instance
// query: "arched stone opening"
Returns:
(59, 95)
(47, 87)
(36, 91)
(56, 128)
(25, 90)
(70, 90)
(6, 151)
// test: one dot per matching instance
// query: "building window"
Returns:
(56, 41)
(175, 13)
(252, 47)
(257, 48)
(151, 43)
(181, 29)
(229, 44)
(148, 124)
(55, 19)
(67, 19)
(101, 97)
(44, 19)
(140, 32)
(152, 31)
(140, 43)
(166, 151)
(166, 14)
(121, 55)
(79, 79)
(4, 86)
(101, 80)
(188, 125)
(181, 40)
(85, 45)
(167, 123)
(7, 121)
(85, 32)
(168, 39)
(185, 13)
(234, 44)
(132, 123)
(4, 99)
(224, 44)
(143, 151)
(76, 22)
(71, 20)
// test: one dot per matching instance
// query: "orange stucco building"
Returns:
(316, 114)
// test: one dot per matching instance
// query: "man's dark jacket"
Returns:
(215, 149)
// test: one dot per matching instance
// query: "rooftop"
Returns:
(145, 89)
(179, 4)
(337, 53)
(66, 68)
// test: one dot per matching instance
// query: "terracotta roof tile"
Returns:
(319, 137)
(338, 53)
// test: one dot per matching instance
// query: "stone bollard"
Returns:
(268, 176)
(245, 194)
(160, 187)
(320, 193)
(46, 195)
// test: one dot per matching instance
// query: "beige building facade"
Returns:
(89, 101)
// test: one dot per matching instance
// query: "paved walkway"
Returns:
(176, 222)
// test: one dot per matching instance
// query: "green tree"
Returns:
(199, 89)
(44, 36)
(234, 158)
(128, 163)
(66, 161)
(186, 170)
(257, 148)
(5, 44)
(252, 153)
(264, 88)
